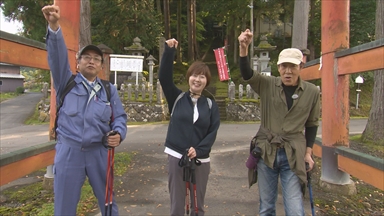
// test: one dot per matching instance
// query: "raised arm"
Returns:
(255, 79)
(57, 50)
(166, 73)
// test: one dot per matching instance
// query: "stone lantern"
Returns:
(136, 49)
(264, 48)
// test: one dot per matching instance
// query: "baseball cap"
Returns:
(290, 55)
(90, 47)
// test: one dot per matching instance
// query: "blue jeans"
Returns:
(268, 180)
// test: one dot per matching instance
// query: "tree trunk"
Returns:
(191, 50)
(195, 44)
(374, 130)
(178, 53)
(158, 6)
(300, 24)
(167, 24)
(85, 23)
(311, 45)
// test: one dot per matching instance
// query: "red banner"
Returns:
(221, 63)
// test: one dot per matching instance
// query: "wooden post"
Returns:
(70, 26)
(335, 89)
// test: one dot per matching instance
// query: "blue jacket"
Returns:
(80, 122)
(182, 132)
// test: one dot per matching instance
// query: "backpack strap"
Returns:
(107, 87)
(182, 94)
(209, 102)
(177, 99)
(70, 84)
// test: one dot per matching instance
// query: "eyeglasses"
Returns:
(88, 58)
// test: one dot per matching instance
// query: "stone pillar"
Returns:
(241, 91)
(143, 92)
(122, 92)
(150, 91)
(159, 92)
(232, 91)
(129, 92)
(248, 91)
(45, 90)
(48, 178)
(151, 63)
(136, 92)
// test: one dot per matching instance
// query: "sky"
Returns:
(10, 27)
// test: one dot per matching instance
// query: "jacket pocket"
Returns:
(103, 111)
(71, 106)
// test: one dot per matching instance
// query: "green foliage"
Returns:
(122, 160)
(34, 78)
(20, 90)
(29, 13)
(362, 22)
(23, 199)
(34, 118)
(314, 27)
(7, 95)
(117, 22)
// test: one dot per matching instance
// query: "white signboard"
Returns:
(126, 63)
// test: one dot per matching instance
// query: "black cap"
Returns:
(91, 47)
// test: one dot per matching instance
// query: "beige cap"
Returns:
(290, 55)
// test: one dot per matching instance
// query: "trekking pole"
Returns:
(186, 179)
(310, 189)
(185, 163)
(109, 181)
(193, 181)
(109, 176)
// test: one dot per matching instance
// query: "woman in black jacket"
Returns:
(192, 131)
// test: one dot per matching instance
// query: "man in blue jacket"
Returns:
(86, 116)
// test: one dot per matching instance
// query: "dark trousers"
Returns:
(177, 187)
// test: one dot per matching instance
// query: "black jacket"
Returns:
(182, 132)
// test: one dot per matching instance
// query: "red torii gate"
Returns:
(334, 74)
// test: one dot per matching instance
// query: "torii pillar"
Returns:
(70, 26)
(335, 92)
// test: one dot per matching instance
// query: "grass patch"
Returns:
(368, 200)
(32, 199)
(372, 146)
(7, 95)
(34, 118)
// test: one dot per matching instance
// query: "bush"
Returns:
(20, 90)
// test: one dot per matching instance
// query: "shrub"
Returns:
(20, 90)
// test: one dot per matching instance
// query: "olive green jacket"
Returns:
(280, 126)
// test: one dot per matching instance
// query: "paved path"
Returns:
(14, 134)
(143, 189)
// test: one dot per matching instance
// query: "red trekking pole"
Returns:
(189, 176)
(109, 182)
(193, 181)
(109, 177)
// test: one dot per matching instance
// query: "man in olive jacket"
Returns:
(289, 106)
